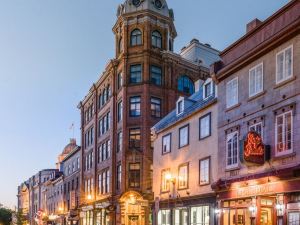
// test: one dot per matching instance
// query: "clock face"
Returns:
(136, 2)
(158, 4)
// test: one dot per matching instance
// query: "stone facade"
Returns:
(262, 189)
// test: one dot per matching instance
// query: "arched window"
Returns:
(186, 85)
(121, 45)
(136, 37)
(156, 39)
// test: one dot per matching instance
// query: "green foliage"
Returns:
(21, 219)
(5, 216)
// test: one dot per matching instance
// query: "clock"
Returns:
(136, 3)
(158, 4)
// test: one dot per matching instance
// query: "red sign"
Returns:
(254, 148)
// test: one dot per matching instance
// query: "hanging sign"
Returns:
(254, 149)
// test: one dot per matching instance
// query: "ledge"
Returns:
(233, 107)
(257, 96)
(282, 83)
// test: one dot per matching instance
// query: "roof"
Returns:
(198, 103)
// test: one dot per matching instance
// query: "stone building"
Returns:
(185, 160)
(137, 88)
(23, 200)
(259, 123)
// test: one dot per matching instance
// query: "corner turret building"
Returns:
(137, 88)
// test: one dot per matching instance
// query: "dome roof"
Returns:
(158, 6)
(69, 147)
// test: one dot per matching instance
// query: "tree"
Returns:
(5, 216)
(21, 219)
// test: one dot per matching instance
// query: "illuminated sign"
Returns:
(254, 148)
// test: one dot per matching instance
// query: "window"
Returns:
(120, 80)
(135, 106)
(134, 175)
(200, 215)
(104, 182)
(256, 80)
(294, 218)
(258, 128)
(135, 138)
(232, 93)
(284, 133)
(207, 89)
(284, 65)
(232, 150)
(119, 141)
(164, 217)
(136, 37)
(186, 85)
(183, 136)
(183, 176)
(89, 137)
(166, 143)
(104, 151)
(204, 171)
(165, 183)
(119, 176)
(135, 74)
(120, 111)
(205, 126)
(156, 75)
(155, 107)
(156, 39)
(180, 107)
(181, 216)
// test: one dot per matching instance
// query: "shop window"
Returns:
(284, 134)
(294, 218)
(164, 217)
(181, 216)
(101, 217)
(200, 215)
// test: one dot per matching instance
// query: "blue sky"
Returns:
(51, 51)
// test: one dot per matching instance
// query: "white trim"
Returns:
(292, 69)
(229, 136)
(237, 92)
(209, 80)
(286, 152)
(180, 99)
(262, 86)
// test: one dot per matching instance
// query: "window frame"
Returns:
(136, 36)
(162, 142)
(207, 82)
(131, 170)
(284, 69)
(230, 136)
(254, 68)
(157, 74)
(130, 135)
(136, 72)
(209, 171)
(187, 176)
(182, 79)
(210, 125)
(290, 151)
(163, 180)
(180, 108)
(255, 125)
(119, 111)
(156, 104)
(135, 104)
(155, 38)
(188, 136)
(237, 93)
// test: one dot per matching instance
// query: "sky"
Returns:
(51, 52)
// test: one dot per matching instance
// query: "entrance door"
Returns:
(266, 215)
(134, 220)
(239, 216)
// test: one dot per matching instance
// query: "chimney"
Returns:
(73, 141)
(253, 24)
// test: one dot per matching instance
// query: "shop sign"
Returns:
(254, 149)
(102, 205)
(256, 190)
(87, 208)
(73, 199)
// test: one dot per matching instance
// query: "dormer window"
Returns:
(180, 106)
(207, 89)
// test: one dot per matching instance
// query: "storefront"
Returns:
(196, 211)
(87, 215)
(265, 201)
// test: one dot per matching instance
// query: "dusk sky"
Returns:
(51, 51)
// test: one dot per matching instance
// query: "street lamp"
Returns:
(89, 197)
